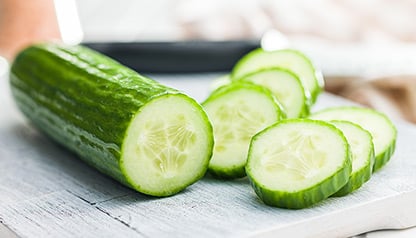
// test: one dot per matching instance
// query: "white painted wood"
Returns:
(62, 214)
(46, 192)
(6, 232)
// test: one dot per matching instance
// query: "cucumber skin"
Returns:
(382, 158)
(85, 101)
(299, 200)
(234, 172)
(355, 181)
(306, 197)
(385, 156)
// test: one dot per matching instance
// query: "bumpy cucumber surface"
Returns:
(149, 137)
(362, 154)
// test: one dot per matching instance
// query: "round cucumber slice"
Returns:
(285, 86)
(362, 154)
(382, 130)
(293, 60)
(296, 163)
(237, 112)
(167, 146)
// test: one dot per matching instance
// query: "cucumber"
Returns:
(382, 130)
(219, 82)
(296, 163)
(362, 154)
(147, 136)
(285, 86)
(237, 112)
(290, 59)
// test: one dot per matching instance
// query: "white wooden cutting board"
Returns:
(47, 192)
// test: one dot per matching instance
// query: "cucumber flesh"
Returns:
(238, 111)
(362, 154)
(219, 82)
(298, 162)
(382, 130)
(285, 86)
(290, 59)
(163, 139)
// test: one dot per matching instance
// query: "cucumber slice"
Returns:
(219, 82)
(382, 130)
(237, 112)
(162, 144)
(285, 86)
(362, 153)
(293, 60)
(298, 162)
(145, 135)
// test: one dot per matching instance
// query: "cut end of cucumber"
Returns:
(290, 59)
(296, 163)
(167, 146)
(237, 112)
(285, 86)
(382, 130)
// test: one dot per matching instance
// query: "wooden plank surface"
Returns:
(47, 192)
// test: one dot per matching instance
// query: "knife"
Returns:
(177, 56)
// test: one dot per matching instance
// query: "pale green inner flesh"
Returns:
(285, 87)
(236, 117)
(360, 144)
(166, 144)
(284, 59)
(293, 157)
(380, 129)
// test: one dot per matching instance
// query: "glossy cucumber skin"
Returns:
(82, 99)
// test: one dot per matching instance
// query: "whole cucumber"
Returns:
(147, 136)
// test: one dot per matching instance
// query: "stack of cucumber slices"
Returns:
(263, 128)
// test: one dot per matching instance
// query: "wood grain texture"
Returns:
(46, 191)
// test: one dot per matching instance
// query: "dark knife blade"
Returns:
(176, 57)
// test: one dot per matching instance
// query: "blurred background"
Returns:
(341, 21)
(365, 49)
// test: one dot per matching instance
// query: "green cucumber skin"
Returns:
(299, 200)
(356, 181)
(228, 173)
(307, 197)
(381, 158)
(83, 100)
(358, 178)
(384, 157)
